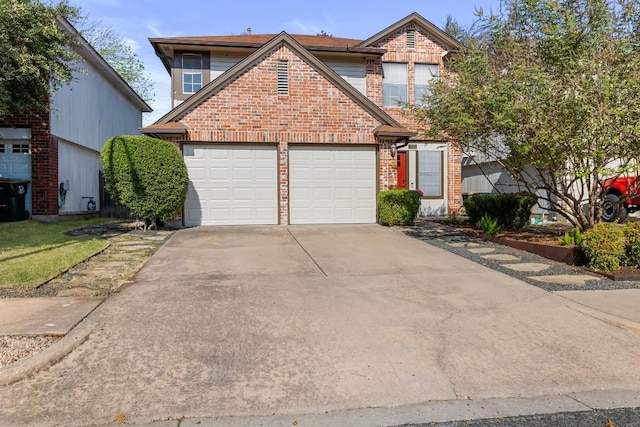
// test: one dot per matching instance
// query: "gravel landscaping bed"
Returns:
(14, 348)
(442, 235)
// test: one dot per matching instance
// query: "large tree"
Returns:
(551, 91)
(35, 58)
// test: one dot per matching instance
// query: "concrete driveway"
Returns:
(266, 324)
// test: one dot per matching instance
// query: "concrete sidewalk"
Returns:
(233, 325)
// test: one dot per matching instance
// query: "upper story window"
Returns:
(191, 72)
(394, 83)
(424, 75)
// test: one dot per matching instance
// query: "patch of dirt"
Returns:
(546, 235)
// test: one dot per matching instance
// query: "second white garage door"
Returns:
(231, 185)
(331, 185)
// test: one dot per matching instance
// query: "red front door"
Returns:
(402, 170)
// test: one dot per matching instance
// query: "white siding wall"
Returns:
(89, 111)
(80, 167)
(220, 64)
(353, 72)
(493, 179)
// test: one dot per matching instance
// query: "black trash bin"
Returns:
(13, 193)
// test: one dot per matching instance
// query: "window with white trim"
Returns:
(424, 75)
(430, 173)
(191, 72)
(394, 83)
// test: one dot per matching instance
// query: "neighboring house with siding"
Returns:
(63, 145)
(299, 129)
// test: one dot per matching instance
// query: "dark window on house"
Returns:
(411, 39)
(1, 148)
(431, 173)
(424, 74)
(21, 148)
(394, 83)
(191, 72)
(283, 77)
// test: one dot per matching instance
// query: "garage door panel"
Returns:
(239, 185)
(330, 184)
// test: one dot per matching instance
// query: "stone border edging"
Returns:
(28, 367)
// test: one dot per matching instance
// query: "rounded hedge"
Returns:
(146, 175)
(398, 206)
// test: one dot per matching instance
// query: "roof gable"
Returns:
(281, 39)
(91, 56)
(419, 21)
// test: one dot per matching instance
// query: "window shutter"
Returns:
(283, 77)
(411, 39)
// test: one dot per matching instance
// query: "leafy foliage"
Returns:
(35, 58)
(549, 92)
(488, 225)
(632, 243)
(511, 210)
(398, 206)
(146, 175)
(604, 246)
(571, 238)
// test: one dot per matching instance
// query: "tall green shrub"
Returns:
(398, 206)
(148, 176)
(604, 246)
(632, 243)
(511, 210)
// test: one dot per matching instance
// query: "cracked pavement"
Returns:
(241, 324)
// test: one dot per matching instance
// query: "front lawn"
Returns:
(33, 252)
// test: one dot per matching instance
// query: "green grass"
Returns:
(32, 252)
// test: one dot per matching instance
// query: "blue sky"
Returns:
(138, 20)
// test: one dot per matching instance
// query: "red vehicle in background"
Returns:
(621, 197)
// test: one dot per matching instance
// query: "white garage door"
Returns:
(231, 185)
(330, 185)
(15, 163)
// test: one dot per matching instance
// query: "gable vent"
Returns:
(411, 39)
(283, 77)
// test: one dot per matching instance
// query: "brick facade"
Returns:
(44, 161)
(246, 107)
(315, 111)
(426, 51)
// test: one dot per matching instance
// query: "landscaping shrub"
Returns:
(511, 210)
(398, 206)
(146, 175)
(571, 238)
(489, 225)
(632, 243)
(604, 246)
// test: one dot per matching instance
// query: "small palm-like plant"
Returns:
(571, 238)
(489, 225)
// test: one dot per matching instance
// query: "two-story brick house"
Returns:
(295, 129)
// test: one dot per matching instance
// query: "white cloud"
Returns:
(153, 28)
(133, 44)
(302, 27)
